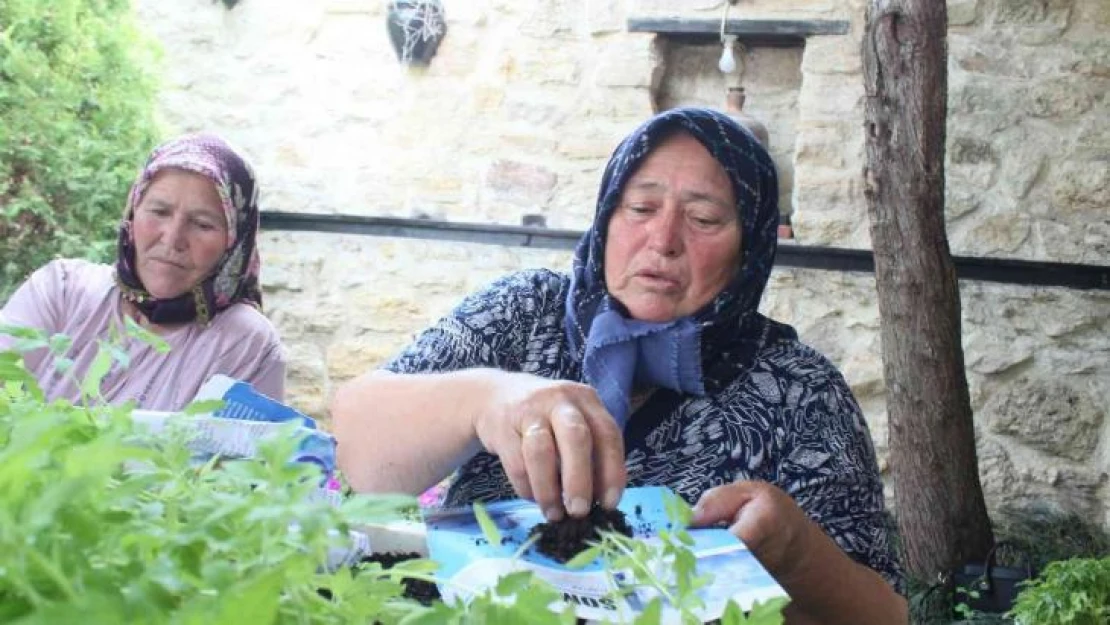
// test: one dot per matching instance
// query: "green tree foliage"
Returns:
(76, 120)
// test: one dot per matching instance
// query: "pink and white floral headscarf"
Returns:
(235, 278)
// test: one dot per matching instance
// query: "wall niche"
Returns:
(771, 78)
(768, 56)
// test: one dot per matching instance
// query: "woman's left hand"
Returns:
(764, 517)
(824, 584)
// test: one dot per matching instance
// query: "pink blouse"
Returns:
(81, 300)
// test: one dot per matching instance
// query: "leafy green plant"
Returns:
(97, 525)
(962, 608)
(1068, 592)
(77, 104)
(1030, 535)
(102, 523)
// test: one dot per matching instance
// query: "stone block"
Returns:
(1046, 36)
(1062, 98)
(518, 179)
(547, 107)
(996, 471)
(542, 62)
(988, 352)
(626, 62)
(1032, 12)
(820, 147)
(1020, 172)
(349, 359)
(768, 70)
(1017, 478)
(970, 150)
(1090, 58)
(1058, 241)
(962, 12)
(830, 98)
(960, 202)
(1001, 311)
(605, 16)
(675, 7)
(486, 97)
(1053, 416)
(1081, 188)
(1094, 13)
(986, 96)
(280, 278)
(830, 209)
(836, 229)
(306, 379)
(1000, 233)
(554, 19)
(863, 369)
(391, 313)
(834, 54)
(465, 14)
(616, 104)
(1067, 313)
(1096, 243)
(459, 54)
(979, 61)
(595, 148)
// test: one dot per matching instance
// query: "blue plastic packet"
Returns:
(470, 563)
(242, 402)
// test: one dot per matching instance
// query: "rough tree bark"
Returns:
(941, 513)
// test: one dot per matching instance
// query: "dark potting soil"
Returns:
(417, 589)
(562, 540)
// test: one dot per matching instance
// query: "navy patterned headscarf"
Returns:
(706, 351)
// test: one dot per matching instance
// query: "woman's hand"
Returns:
(557, 443)
(764, 517)
(824, 584)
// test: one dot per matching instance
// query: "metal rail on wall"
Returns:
(1000, 270)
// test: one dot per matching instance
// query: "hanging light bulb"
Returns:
(727, 62)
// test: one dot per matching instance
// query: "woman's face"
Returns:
(674, 239)
(180, 232)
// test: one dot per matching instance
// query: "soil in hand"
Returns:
(562, 540)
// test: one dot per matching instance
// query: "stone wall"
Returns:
(521, 106)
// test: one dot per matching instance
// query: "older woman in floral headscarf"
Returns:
(187, 270)
(648, 365)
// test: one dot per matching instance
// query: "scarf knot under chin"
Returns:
(624, 353)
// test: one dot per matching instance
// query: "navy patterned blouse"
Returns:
(750, 402)
(813, 443)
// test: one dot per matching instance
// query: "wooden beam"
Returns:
(754, 32)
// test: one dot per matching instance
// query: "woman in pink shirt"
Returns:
(187, 270)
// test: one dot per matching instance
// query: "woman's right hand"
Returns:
(556, 441)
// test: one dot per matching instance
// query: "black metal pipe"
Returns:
(1000, 270)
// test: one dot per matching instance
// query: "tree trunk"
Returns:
(939, 501)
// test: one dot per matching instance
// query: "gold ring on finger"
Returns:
(535, 429)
